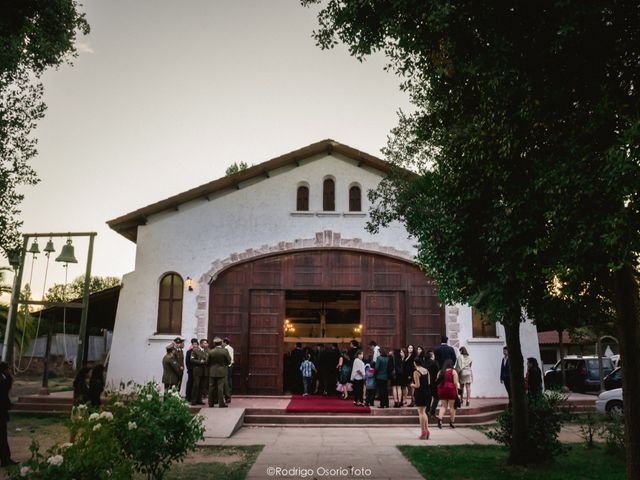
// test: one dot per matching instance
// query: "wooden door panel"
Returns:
(266, 343)
(381, 318)
(424, 316)
(267, 273)
(227, 318)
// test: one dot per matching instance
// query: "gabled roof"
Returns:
(127, 225)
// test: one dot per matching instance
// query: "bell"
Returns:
(49, 249)
(34, 248)
(67, 254)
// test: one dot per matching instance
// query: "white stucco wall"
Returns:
(486, 353)
(260, 213)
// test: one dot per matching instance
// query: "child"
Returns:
(370, 384)
(307, 368)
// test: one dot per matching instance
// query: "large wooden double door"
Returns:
(398, 306)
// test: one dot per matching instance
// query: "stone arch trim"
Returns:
(324, 239)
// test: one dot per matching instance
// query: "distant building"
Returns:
(279, 253)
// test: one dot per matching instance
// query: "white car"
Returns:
(610, 402)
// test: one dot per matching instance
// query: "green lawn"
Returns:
(486, 462)
(216, 463)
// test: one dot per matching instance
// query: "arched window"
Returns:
(170, 304)
(328, 195)
(302, 201)
(355, 199)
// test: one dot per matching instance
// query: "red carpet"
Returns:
(317, 403)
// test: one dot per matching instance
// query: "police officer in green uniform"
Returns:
(219, 360)
(170, 368)
(179, 344)
(199, 369)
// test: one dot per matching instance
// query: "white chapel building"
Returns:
(278, 254)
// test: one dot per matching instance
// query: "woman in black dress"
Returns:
(408, 368)
(398, 381)
(422, 396)
(534, 378)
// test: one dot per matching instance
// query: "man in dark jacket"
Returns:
(504, 372)
(444, 352)
(5, 404)
(187, 361)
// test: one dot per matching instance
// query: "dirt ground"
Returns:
(31, 385)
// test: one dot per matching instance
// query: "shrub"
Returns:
(613, 433)
(94, 454)
(589, 428)
(154, 432)
(546, 414)
(138, 430)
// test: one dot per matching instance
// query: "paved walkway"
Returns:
(349, 453)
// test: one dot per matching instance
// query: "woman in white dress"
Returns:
(466, 375)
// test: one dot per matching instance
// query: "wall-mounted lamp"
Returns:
(190, 284)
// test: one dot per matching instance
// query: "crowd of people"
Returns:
(209, 370)
(436, 381)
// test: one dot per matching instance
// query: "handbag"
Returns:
(457, 403)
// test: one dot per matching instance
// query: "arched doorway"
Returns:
(249, 301)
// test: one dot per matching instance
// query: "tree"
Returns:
(34, 35)
(74, 289)
(526, 139)
(5, 287)
(235, 168)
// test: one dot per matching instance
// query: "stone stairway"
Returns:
(486, 411)
(378, 417)
(51, 404)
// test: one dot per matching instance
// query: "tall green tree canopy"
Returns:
(65, 293)
(34, 35)
(525, 138)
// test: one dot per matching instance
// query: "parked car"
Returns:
(614, 379)
(610, 402)
(582, 373)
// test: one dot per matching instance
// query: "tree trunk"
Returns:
(627, 311)
(519, 454)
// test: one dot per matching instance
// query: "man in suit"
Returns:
(219, 360)
(170, 369)
(199, 363)
(444, 352)
(187, 361)
(5, 404)
(504, 372)
(297, 357)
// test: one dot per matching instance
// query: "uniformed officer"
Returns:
(199, 367)
(219, 360)
(170, 368)
(179, 344)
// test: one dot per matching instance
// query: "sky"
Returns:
(165, 95)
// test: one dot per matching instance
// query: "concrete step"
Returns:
(40, 407)
(57, 407)
(45, 399)
(375, 411)
(362, 419)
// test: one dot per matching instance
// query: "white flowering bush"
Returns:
(95, 454)
(137, 431)
(154, 431)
